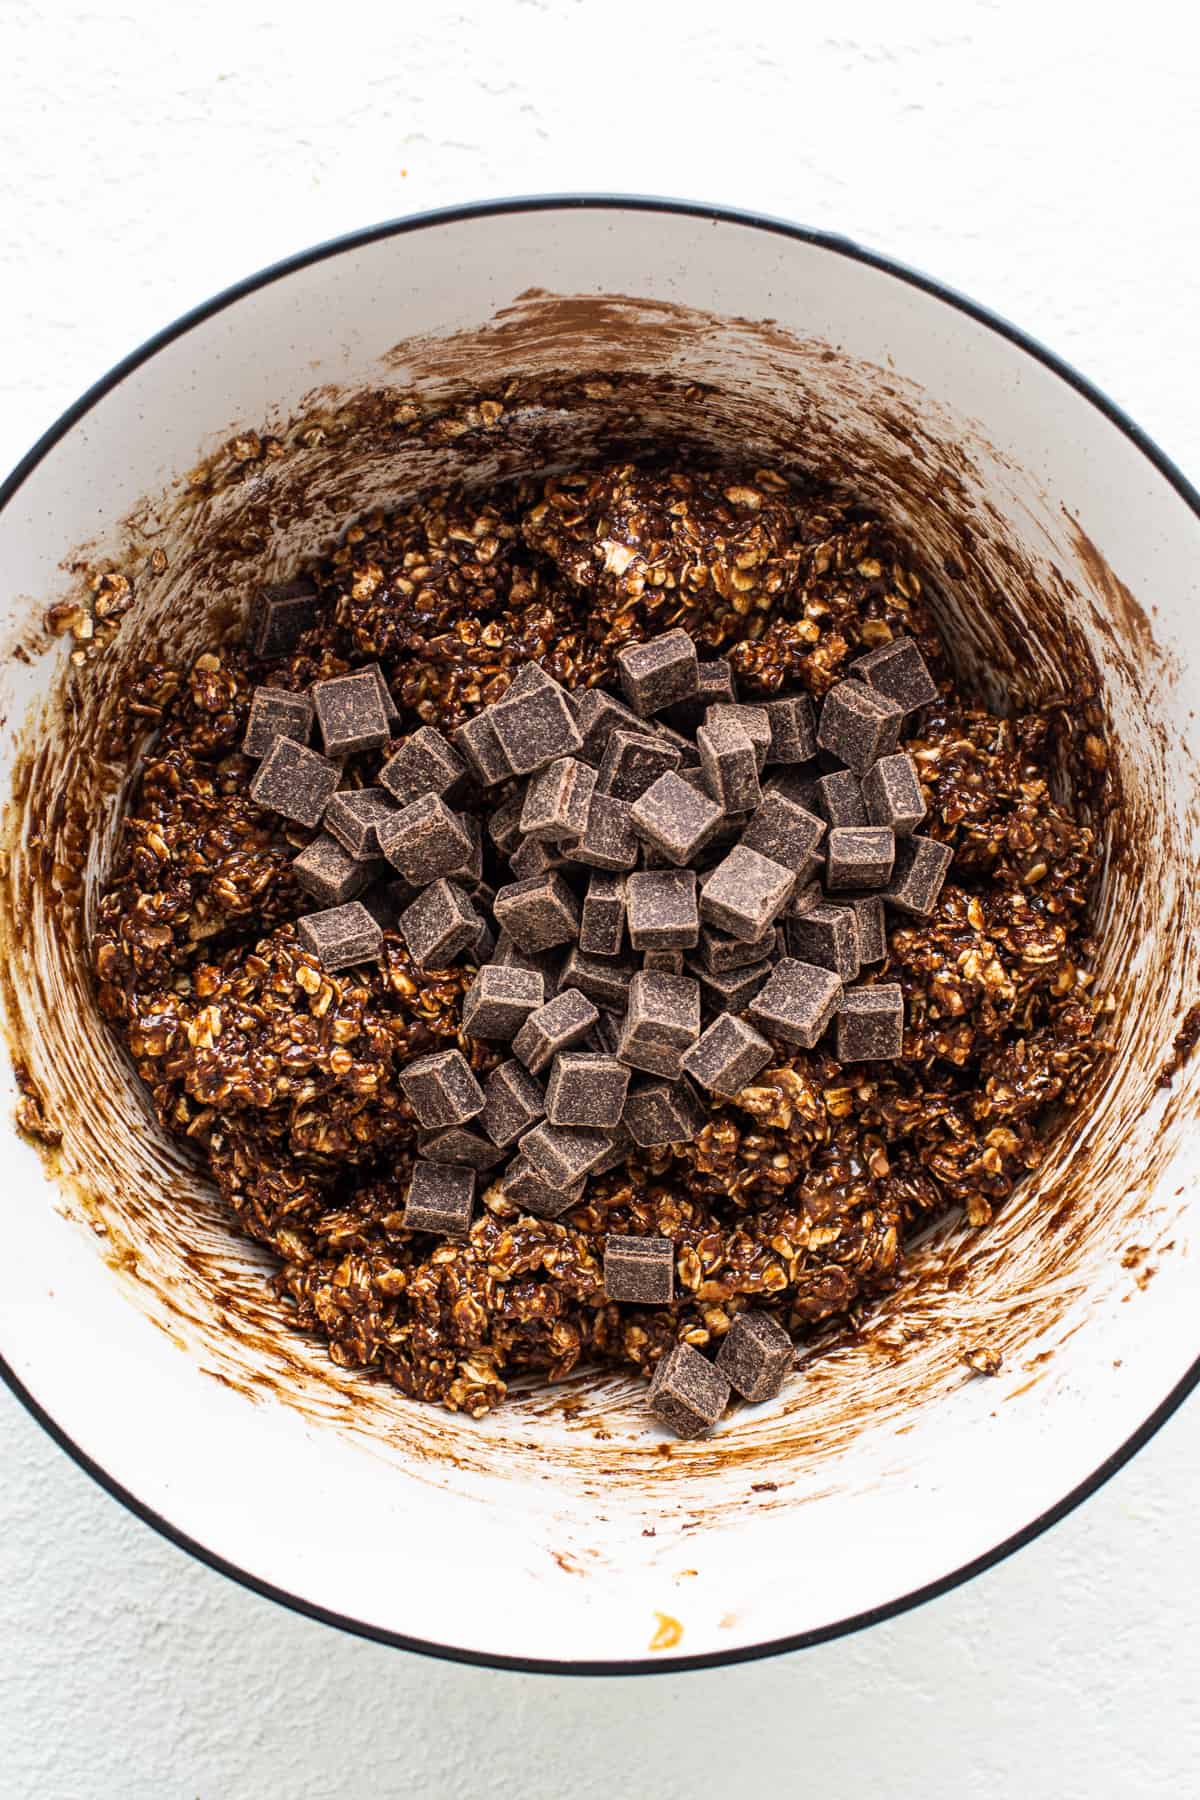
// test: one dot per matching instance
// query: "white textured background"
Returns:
(1037, 158)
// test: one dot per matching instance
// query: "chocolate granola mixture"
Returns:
(797, 1196)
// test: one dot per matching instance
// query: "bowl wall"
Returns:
(558, 1531)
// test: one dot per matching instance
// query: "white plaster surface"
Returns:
(1043, 159)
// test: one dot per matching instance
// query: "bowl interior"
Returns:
(563, 1529)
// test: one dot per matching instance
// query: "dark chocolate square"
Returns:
(295, 781)
(639, 1271)
(341, 936)
(276, 712)
(350, 713)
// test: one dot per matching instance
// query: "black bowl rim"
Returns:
(838, 246)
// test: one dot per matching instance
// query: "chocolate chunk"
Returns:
(744, 893)
(753, 720)
(727, 1056)
(731, 990)
(563, 1154)
(539, 913)
(633, 761)
(295, 781)
(793, 729)
(662, 1021)
(787, 834)
(353, 817)
(729, 762)
(440, 1198)
(425, 763)
(529, 1189)
(917, 875)
(499, 1001)
(720, 953)
(535, 727)
(279, 617)
(555, 1026)
(532, 859)
(755, 1355)
(688, 1393)
(341, 936)
(840, 798)
(464, 1148)
(798, 784)
(689, 756)
(330, 874)
(586, 1088)
(827, 936)
(276, 712)
(602, 920)
(620, 1146)
(604, 979)
(892, 794)
(858, 725)
(609, 840)
(663, 910)
(663, 1112)
(441, 1089)
(858, 856)
(899, 672)
(605, 1034)
(530, 678)
(796, 1002)
(513, 1101)
(350, 713)
(659, 673)
(557, 799)
(504, 824)
(714, 686)
(665, 962)
(639, 1271)
(870, 1024)
(597, 716)
(872, 929)
(673, 817)
(546, 963)
(480, 748)
(425, 840)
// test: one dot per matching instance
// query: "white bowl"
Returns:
(556, 1534)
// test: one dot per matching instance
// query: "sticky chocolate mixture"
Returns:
(797, 1196)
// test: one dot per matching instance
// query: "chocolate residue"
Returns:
(1031, 616)
(1185, 1042)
